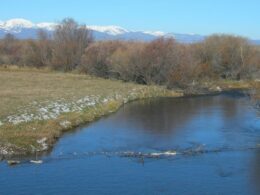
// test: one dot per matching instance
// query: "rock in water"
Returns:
(13, 162)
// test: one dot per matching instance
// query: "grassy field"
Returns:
(38, 105)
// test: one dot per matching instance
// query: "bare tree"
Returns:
(10, 50)
(45, 49)
(70, 41)
(227, 55)
(126, 62)
(37, 53)
(97, 58)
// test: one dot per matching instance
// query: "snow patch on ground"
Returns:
(43, 144)
(6, 149)
(51, 110)
(3, 151)
(65, 124)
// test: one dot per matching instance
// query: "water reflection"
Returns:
(167, 115)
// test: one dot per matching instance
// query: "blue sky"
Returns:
(205, 17)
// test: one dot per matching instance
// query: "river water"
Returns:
(192, 145)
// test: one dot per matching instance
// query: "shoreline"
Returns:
(71, 120)
(100, 111)
(25, 134)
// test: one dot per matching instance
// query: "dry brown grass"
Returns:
(229, 84)
(20, 87)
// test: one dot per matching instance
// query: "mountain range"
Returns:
(25, 29)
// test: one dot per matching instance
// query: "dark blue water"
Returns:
(202, 145)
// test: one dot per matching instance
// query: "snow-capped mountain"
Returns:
(111, 30)
(16, 24)
(25, 29)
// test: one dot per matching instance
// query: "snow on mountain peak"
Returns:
(17, 23)
(112, 30)
(26, 29)
(47, 25)
(155, 33)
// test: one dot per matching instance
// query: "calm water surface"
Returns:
(216, 140)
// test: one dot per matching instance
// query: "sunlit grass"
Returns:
(63, 101)
(26, 92)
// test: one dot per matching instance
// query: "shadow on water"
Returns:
(166, 115)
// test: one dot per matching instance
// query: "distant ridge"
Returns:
(25, 29)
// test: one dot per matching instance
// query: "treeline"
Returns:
(162, 61)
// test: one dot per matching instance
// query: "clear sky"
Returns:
(204, 17)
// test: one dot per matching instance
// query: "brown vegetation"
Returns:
(162, 61)
(41, 104)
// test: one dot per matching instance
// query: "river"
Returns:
(190, 145)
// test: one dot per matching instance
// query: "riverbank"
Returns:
(37, 106)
